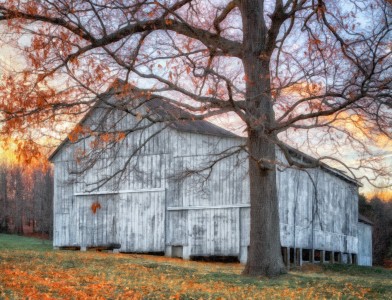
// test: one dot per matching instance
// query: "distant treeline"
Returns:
(26, 205)
(380, 213)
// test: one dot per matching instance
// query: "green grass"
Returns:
(353, 270)
(30, 269)
(14, 242)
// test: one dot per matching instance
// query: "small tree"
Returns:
(283, 69)
(3, 199)
(42, 198)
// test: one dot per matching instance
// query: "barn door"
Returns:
(98, 220)
(142, 221)
(214, 232)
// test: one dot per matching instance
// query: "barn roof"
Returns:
(182, 121)
(365, 220)
(105, 96)
(305, 157)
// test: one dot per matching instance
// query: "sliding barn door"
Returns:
(97, 219)
(142, 221)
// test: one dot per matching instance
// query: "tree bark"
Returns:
(264, 256)
(3, 200)
(19, 203)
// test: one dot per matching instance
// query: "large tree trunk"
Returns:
(264, 256)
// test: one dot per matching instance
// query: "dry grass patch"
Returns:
(45, 274)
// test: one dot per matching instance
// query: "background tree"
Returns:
(26, 194)
(307, 72)
(3, 199)
(380, 213)
(42, 201)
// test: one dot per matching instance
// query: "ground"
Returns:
(30, 269)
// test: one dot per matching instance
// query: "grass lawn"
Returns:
(29, 269)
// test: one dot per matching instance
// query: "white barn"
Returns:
(152, 210)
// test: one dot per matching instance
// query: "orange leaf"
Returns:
(210, 91)
(96, 205)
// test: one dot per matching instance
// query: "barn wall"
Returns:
(64, 228)
(205, 213)
(318, 210)
(203, 209)
(325, 220)
(364, 244)
(132, 204)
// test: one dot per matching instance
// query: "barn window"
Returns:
(337, 257)
(354, 259)
(306, 254)
(317, 255)
(328, 255)
(292, 255)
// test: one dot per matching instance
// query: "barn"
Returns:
(143, 194)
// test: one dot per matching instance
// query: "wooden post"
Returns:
(311, 258)
(332, 258)
(340, 259)
(299, 257)
(349, 258)
(322, 256)
(288, 258)
(295, 257)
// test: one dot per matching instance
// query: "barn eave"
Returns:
(364, 220)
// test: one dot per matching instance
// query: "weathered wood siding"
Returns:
(132, 210)
(365, 251)
(203, 209)
(155, 207)
(318, 210)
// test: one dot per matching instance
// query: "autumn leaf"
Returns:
(72, 137)
(121, 136)
(315, 41)
(95, 206)
(210, 91)
(105, 137)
